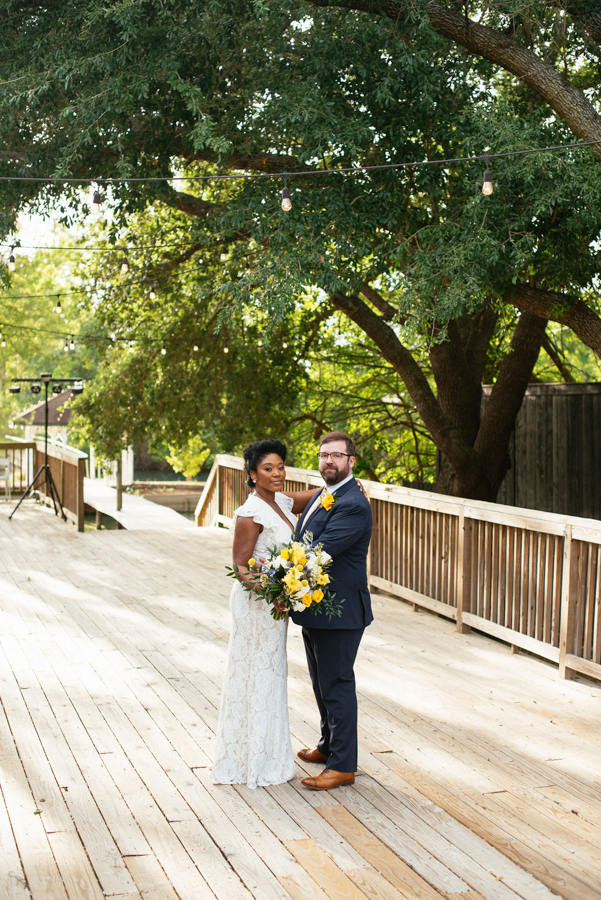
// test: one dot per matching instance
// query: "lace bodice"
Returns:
(253, 735)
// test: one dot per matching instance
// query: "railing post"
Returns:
(464, 570)
(119, 484)
(81, 463)
(568, 602)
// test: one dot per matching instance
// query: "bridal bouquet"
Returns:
(294, 577)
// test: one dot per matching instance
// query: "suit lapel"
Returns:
(320, 509)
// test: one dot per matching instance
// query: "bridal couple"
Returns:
(253, 734)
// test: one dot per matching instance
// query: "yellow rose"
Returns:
(327, 501)
(298, 555)
(307, 600)
(323, 579)
(251, 561)
(318, 596)
(285, 553)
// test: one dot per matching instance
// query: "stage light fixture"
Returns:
(57, 388)
(36, 388)
(14, 389)
(77, 389)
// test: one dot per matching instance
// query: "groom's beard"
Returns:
(332, 475)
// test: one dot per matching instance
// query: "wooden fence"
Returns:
(532, 579)
(67, 466)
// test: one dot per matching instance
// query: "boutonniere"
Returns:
(328, 500)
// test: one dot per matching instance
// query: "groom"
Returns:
(344, 529)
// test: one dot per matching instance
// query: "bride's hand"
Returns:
(362, 489)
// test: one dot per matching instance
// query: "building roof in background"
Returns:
(58, 411)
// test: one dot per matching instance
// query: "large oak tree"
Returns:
(422, 263)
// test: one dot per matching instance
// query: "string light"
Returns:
(195, 347)
(66, 347)
(71, 344)
(152, 293)
(286, 201)
(487, 187)
(96, 201)
(223, 257)
(11, 260)
(226, 349)
(2, 340)
(163, 351)
(124, 265)
(58, 308)
(284, 345)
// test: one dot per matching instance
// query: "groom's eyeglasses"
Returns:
(335, 456)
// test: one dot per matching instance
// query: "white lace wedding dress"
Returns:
(253, 734)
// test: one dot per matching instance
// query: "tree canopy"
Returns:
(444, 286)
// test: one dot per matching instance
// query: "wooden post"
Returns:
(98, 519)
(464, 570)
(566, 638)
(81, 468)
(119, 484)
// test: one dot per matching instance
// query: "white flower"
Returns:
(324, 557)
(299, 606)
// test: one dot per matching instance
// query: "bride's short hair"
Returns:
(254, 453)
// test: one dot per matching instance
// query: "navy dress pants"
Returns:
(331, 656)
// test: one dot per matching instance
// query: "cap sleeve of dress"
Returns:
(255, 509)
(285, 502)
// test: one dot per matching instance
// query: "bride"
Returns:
(253, 734)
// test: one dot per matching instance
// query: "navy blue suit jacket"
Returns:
(345, 532)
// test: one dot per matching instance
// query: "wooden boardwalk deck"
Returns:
(479, 770)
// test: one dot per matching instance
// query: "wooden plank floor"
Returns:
(479, 770)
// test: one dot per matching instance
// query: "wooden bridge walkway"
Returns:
(480, 773)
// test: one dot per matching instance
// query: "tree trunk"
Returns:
(475, 450)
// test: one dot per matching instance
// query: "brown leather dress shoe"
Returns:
(329, 779)
(315, 756)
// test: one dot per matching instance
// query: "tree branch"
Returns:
(568, 101)
(162, 270)
(555, 357)
(445, 435)
(507, 395)
(562, 308)
(187, 203)
(388, 311)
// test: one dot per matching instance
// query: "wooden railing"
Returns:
(529, 578)
(20, 456)
(67, 466)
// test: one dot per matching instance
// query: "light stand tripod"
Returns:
(44, 475)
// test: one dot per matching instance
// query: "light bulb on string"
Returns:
(71, 344)
(195, 347)
(124, 265)
(2, 340)
(226, 349)
(58, 308)
(11, 260)
(66, 347)
(152, 293)
(487, 187)
(286, 201)
(223, 257)
(259, 343)
(284, 345)
(163, 351)
(96, 200)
